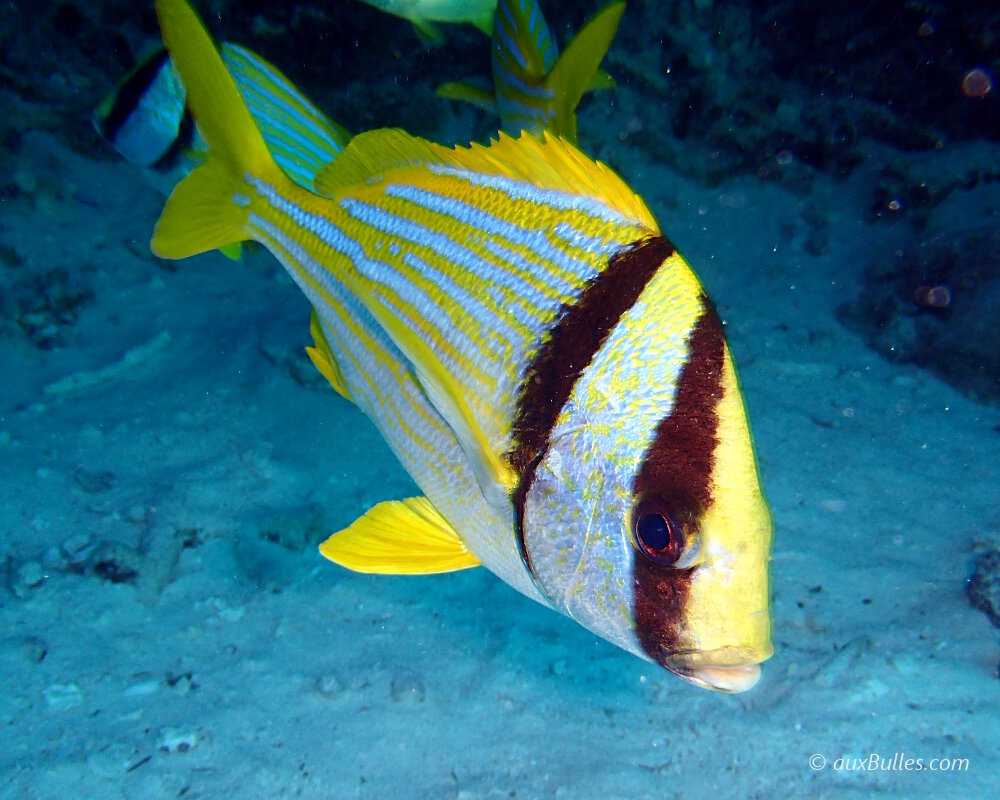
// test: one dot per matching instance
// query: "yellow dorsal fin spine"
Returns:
(204, 212)
(372, 153)
(547, 162)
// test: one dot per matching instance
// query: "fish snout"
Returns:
(726, 669)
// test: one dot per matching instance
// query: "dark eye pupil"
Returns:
(654, 532)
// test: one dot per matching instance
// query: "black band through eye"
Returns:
(658, 535)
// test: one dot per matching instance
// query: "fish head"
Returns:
(645, 520)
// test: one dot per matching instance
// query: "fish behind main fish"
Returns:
(534, 88)
(424, 14)
(537, 355)
(145, 117)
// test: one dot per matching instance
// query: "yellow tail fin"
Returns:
(207, 209)
(576, 68)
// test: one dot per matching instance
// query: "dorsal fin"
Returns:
(545, 161)
(372, 153)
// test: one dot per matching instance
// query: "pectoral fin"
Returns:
(232, 251)
(601, 82)
(428, 33)
(399, 537)
(468, 93)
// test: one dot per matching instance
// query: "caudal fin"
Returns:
(207, 209)
(576, 68)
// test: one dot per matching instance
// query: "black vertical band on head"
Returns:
(130, 94)
(579, 331)
(677, 469)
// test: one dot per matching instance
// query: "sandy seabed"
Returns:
(170, 461)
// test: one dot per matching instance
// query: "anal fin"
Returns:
(322, 358)
(399, 537)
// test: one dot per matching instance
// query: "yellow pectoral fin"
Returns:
(399, 537)
(199, 215)
(322, 358)
(601, 82)
(428, 33)
(467, 93)
(233, 251)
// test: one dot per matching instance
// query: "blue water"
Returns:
(169, 460)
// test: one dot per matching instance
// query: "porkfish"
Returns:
(534, 88)
(537, 355)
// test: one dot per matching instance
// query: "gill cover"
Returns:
(640, 510)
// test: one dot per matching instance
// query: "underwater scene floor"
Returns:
(170, 460)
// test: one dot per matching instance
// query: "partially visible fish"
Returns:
(535, 89)
(423, 14)
(537, 355)
(145, 118)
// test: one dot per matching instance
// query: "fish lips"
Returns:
(727, 669)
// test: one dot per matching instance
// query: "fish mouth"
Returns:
(728, 669)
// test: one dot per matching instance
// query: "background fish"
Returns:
(534, 89)
(146, 119)
(424, 13)
(538, 356)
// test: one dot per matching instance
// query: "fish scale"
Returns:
(430, 306)
(417, 434)
(385, 389)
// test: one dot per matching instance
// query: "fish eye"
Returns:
(659, 535)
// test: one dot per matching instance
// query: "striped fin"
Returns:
(523, 53)
(400, 537)
(535, 90)
(300, 137)
(532, 92)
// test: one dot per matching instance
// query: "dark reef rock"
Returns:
(46, 304)
(712, 88)
(902, 192)
(936, 306)
(983, 587)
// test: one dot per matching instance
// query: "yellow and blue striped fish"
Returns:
(539, 358)
(145, 118)
(424, 14)
(534, 89)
